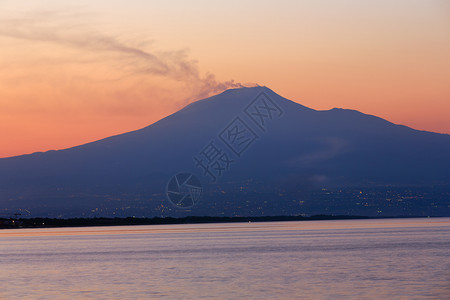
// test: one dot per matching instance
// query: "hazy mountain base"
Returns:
(250, 199)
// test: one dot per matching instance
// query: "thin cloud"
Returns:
(65, 29)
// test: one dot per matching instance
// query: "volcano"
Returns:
(246, 151)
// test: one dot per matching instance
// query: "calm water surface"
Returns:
(357, 259)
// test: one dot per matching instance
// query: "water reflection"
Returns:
(392, 258)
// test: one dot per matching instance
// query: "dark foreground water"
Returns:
(358, 259)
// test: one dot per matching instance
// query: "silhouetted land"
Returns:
(297, 161)
(83, 222)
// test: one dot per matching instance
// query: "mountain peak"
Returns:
(238, 98)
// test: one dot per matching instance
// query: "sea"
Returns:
(339, 259)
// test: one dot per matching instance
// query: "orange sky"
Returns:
(74, 74)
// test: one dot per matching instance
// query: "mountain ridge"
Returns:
(212, 98)
(299, 148)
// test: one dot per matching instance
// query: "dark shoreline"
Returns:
(85, 222)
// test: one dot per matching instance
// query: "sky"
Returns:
(76, 72)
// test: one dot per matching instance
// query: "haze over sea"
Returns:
(357, 259)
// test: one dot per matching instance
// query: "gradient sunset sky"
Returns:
(75, 72)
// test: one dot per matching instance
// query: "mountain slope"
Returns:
(287, 144)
